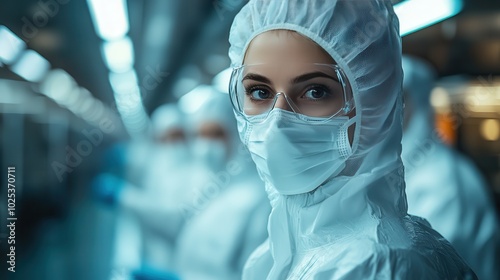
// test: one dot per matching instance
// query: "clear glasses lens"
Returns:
(319, 90)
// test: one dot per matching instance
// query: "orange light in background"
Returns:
(445, 123)
(445, 127)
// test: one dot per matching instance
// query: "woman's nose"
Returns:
(281, 102)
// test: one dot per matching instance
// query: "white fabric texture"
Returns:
(229, 208)
(444, 187)
(217, 108)
(354, 226)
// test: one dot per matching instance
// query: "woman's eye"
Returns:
(316, 93)
(259, 94)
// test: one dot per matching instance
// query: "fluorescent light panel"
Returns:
(124, 82)
(58, 85)
(119, 54)
(417, 14)
(110, 18)
(10, 45)
(31, 66)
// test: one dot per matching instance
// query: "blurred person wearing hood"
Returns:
(443, 186)
(229, 209)
(154, 202)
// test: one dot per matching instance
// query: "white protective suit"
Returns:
(442, 186)
(229, 208)
(354, 226)
(157, 202)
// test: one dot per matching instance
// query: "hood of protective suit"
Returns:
(166, 159)
(166, 117)
(226, 165)
(217, 108)
(228, 207)
(354, 226)
(419, 78)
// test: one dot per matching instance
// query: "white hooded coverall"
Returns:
(356, 225)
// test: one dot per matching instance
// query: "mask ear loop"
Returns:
(352, 121)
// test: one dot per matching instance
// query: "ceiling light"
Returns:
(11, 45)
(58, 85)
(119, 54)
(110, 18)
(124, 82)
(31, 66)
(417, 14)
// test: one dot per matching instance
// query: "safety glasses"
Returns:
(314, 92)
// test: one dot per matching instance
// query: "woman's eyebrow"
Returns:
(256, 77)
(312, 75)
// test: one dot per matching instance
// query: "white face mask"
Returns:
(211, 153)
(297, 157)
(175, 153)
(181, 151)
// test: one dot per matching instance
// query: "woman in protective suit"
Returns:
(316, 90)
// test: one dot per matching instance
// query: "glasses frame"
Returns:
(344, 110)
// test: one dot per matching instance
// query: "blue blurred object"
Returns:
(149, 273)
(107, 187)
(115, 159)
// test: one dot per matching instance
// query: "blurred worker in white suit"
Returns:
(443, 186)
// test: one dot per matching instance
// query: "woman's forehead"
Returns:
(294, 73)
(285, 46)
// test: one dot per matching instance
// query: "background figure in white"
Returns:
(154, 204)
(229, 209)
(157, 202)
(442, 186)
